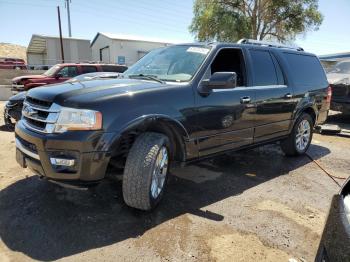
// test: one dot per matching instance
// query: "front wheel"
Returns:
(300, 138)
(146, 171)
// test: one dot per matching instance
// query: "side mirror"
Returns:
(219, 80)
(58, 76)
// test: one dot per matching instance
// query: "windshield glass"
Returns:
(51, 71)
(174, 63)
(342, 68)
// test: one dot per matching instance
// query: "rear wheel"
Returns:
(300, 138)
(146, 171)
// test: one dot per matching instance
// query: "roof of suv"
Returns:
(256, 46)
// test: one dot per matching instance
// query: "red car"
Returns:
(60, 73)
(12, 63)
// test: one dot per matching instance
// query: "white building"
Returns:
(46, 50)
(122, 49)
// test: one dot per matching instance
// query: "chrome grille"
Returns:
(39, 115)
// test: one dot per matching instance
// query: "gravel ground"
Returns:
(254, 205)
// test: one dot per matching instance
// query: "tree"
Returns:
(230, 20)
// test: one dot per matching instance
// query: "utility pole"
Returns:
(59, 26)
(66, 3)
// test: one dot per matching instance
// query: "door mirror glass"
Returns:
(219, 80)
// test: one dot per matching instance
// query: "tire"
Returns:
(140, 188)
(290, 145)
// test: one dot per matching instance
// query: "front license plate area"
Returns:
(20, 158)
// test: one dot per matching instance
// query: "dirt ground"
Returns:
(255, 205)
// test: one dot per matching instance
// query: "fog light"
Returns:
(62, 161)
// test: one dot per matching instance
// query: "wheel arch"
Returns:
(164, 124)
(309, 109)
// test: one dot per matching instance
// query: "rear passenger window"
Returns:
(306, 70)
(263, 68)
(89, 69)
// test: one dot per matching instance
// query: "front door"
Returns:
(225, 117)
(274, 97)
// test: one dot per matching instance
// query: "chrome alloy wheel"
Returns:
(159, 172)
(303, 135)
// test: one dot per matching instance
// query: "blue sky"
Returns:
(165, 19)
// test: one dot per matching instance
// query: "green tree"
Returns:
(230, 20)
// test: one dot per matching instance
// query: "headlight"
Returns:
(78, 119)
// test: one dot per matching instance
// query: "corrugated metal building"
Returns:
(122, 49)
(46, 50)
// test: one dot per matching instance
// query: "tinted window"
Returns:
(89, 69)
(263, 67)
(279, 73)
(229, 60)
(69, 71)
(306, 70)
(112, 68)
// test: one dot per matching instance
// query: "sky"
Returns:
(164, 19)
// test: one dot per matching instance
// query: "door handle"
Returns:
(245, 100)
(289, 95)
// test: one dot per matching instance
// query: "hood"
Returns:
(18, 78)
(95, 89)
(18, 97)
(335, 78)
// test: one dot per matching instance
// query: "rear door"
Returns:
(224, 118)
(274, 97)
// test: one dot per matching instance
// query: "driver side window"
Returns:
(229, 60)
(69, 71)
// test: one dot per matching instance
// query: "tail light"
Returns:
(329, 94)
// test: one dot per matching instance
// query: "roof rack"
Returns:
(269, 44)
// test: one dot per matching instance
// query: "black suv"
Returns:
(177, 104)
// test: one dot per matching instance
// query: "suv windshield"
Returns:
(341, 67)
(51, 71)
(174, 63)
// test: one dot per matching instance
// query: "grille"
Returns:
(39, 115)
(37, 102)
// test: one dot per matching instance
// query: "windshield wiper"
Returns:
(147, 77)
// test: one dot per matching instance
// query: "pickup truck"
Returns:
(339, 80)
(176, 105)
(60, 73)
(12, 63)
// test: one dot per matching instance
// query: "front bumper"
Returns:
(90, 151)
(334, 245)
(13, 111)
